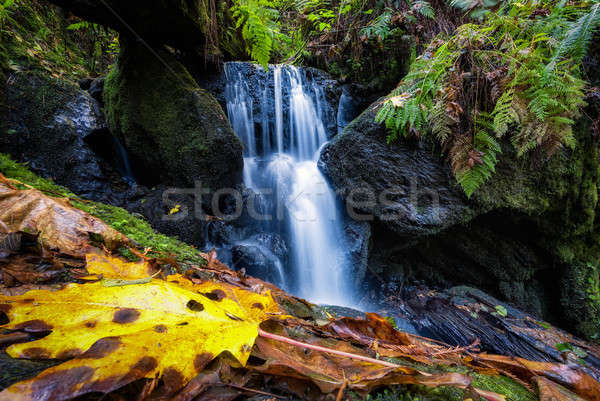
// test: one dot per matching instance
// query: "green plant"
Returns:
(259, 26)
(476, 9)
(577, 39)
(5, 10)
(493, 80)
(380, 28)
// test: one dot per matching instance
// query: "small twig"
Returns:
(7, 182)
(340, 394)
(254, 391)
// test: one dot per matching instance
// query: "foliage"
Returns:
(578, 37)
(380, 28)
(5, 11)
(35, 35)
(493, 80)
(476, 9)
(118, 334)
(260, 29)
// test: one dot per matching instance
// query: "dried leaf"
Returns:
(550, 391)
(169, 329)
(61, 227)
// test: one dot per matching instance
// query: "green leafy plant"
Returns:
(476, 9)
(380, 28)
(501, 311)
(5, 10)
(258, 21)
(493, 80)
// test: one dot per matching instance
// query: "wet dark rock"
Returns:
(406, 186)
(273, 242)
(525, 236)
(258, 262)
(358, 235)
(50, 124)
(157, 206)
(84, 83)
(220, 233)
(180, 24)
(96, 89)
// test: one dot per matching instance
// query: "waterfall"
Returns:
(285, 176)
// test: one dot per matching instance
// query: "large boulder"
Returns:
(527, 236)
(53, 125)
(175, 132)
(180, 23)
(405, 186)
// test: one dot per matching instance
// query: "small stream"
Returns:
(280, 165)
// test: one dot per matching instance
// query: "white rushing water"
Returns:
(285, 174)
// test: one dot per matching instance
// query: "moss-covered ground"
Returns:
(118, 218)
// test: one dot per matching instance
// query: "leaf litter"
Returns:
(206, 332)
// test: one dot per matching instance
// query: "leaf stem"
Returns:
(327, 350)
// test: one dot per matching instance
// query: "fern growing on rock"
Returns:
(515, 76)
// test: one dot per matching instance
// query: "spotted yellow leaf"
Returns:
(164, 328)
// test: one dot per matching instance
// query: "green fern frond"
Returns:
(505, 113)
(259, 28)
(577, 39)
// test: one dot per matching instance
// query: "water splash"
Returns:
(285, 173)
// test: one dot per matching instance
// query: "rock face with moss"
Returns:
(175, 132)
(528, 236)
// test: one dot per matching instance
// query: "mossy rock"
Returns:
(3, 101)
(175, 132)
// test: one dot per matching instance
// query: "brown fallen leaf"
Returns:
(61, 227)
(550, 391)
(330, 372)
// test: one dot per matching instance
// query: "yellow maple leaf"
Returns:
(164, 328)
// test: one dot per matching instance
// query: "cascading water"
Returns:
(282, 170)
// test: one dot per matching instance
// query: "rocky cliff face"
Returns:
(526, 236)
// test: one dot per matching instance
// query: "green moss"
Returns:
(174, 130)
(135, 228)
(498, 384)
(503, 385)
